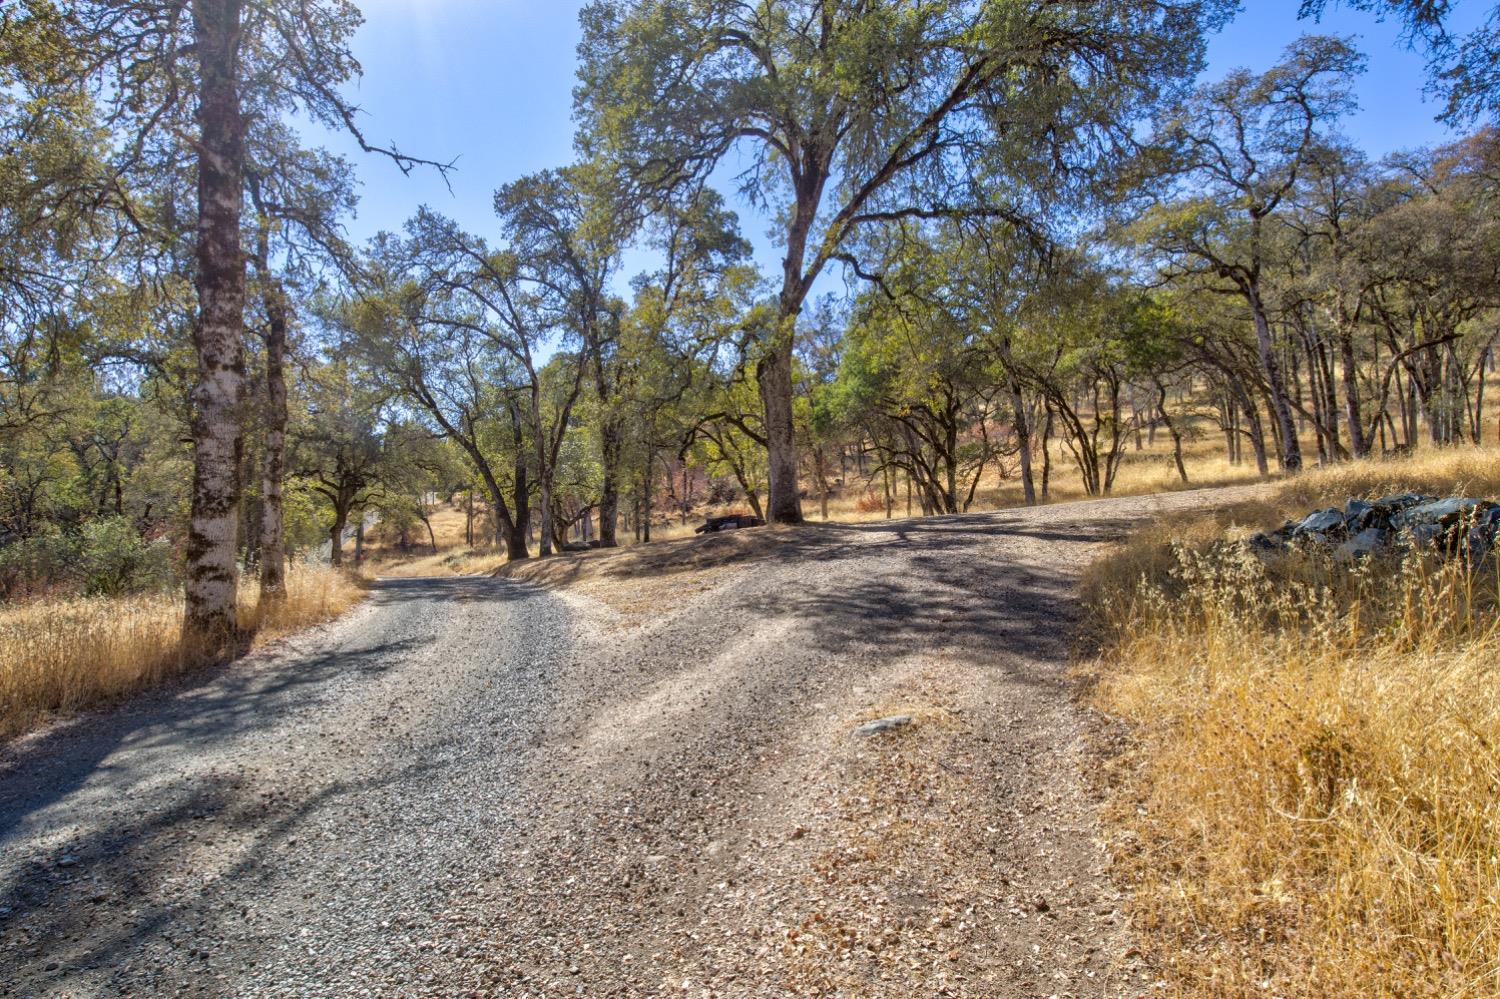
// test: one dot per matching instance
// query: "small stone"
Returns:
(883, 725)
(67, 860)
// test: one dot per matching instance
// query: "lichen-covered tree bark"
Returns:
(220, 281)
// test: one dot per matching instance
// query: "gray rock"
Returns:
(1440, 511)
(1362, 545)
(1483, 536)
(1320, 522)
(879, 725)
(1422, 534)
(1447, 524)
(1401, 501)
(1457, 526)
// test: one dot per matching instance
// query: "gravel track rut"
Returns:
(644, 787)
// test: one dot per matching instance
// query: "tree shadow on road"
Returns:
(100, 910)
(207, 707)
(103, 791)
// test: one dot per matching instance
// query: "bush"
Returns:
(107, 558)
(115, 560)
(37, 565)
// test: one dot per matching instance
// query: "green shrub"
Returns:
(108, 557)
(39, 564)
(115, 559)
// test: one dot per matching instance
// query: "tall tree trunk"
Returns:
(518, 536)
(217, 335)
(1254, 427)
(248, 522)
(336, 537)
(1022, 421)
(774, 375)
(273, 461)
(427, 523)
(1478, 422)
(544, 474)
(1329, 413)
(1047, 454)
(822, 472)
(1226, 424)
(1166, 421)
(611, 436)
(510, 533)
(1023, 440)
(1291, 448)
(1359, 444)
(646, 496)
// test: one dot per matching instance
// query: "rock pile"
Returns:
(1458, 527)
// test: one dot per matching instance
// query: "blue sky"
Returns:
(489, 83)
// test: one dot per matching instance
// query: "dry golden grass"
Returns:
(63, 656)
(1310, 805)
(452, 562)
(1463, 470)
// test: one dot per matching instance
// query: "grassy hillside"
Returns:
(1308, 798)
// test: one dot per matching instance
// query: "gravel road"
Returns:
(641, 787)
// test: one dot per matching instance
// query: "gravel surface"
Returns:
(640, 787)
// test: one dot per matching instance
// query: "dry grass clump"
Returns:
(1311, 803)
(1466, 471)
(66, 655)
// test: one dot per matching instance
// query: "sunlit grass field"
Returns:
(1310, 802)
(59, 656)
